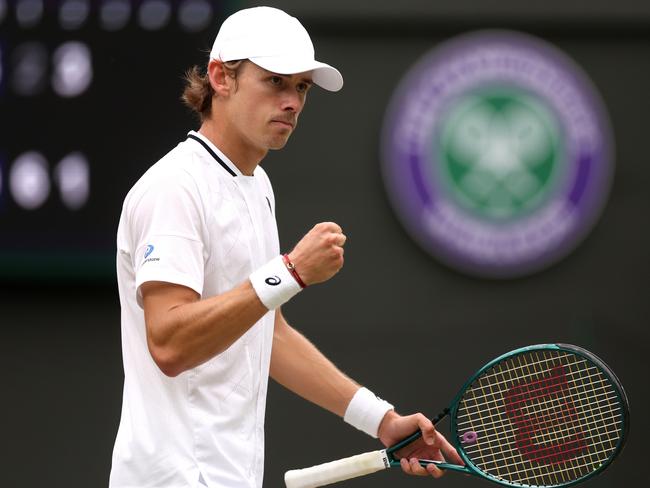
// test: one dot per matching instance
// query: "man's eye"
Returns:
(303, 87)
(276, 80)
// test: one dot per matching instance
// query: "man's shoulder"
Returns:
(173, 173)
(180, 165)
(180, 162)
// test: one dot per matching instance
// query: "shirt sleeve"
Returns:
(167, 226)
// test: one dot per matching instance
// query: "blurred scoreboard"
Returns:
(89, 98)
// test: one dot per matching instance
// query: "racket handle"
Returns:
(343, 469)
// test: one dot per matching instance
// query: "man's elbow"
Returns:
(169, 362)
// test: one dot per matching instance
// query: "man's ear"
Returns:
(219, 79)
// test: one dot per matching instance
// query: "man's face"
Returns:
(264, 107)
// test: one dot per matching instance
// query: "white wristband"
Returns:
(274, 284)
(366, 411)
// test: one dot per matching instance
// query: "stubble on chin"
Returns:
(278, 144)
(278, 141)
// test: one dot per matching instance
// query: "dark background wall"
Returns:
(394, 318)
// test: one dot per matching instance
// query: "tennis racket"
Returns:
(540, 416)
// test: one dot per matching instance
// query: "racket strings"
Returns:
(495, 382)
(575, 393)
(564, 451)
(538, 455)
(504, 461)
(543, 418)
(552, 415)
(562, 430)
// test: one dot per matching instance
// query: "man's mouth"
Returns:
(287, 123)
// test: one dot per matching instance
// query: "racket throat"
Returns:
(445, 466)
(394, 463)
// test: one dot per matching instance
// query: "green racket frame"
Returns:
(469, 467)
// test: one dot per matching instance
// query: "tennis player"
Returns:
(201, 280)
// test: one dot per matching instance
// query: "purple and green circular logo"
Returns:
(497, 153)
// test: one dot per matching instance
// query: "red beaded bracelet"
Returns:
(292, 269)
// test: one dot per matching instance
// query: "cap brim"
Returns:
(323, 75)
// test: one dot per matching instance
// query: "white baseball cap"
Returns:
(275, 41)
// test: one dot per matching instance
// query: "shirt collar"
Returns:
(215, 153)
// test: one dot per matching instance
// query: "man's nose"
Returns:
(292, 101)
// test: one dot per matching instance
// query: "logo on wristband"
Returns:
(273, 280)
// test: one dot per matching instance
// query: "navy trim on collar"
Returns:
(212, 153)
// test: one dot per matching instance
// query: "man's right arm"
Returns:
(184, 331)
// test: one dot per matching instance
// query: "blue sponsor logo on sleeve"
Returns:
(148, 251)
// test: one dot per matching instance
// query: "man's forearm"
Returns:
(299, 366)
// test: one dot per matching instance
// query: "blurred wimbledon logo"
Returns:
(500, 153)
(496, 153)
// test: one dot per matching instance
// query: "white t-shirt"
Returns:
(193, 219)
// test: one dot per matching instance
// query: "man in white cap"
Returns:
(201, 280)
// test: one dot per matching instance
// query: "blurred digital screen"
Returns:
(89, 99)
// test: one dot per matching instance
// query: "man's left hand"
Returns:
(432, 444)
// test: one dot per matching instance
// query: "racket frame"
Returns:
(470, 467)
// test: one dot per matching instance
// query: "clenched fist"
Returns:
(319, 255)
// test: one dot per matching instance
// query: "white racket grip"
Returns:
(334, 471)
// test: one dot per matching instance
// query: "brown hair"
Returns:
(198, 91)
